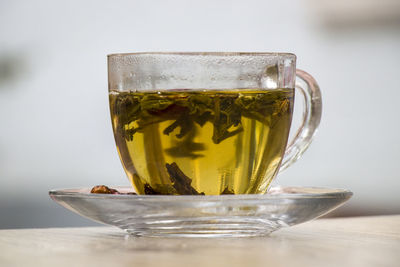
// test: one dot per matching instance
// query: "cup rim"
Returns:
(215, 53)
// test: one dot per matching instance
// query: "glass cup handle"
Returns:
(309, 88)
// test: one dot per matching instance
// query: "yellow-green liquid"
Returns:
(223, 141)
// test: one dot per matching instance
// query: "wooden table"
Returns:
(358, 241)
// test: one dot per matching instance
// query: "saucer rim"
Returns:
(275, 192)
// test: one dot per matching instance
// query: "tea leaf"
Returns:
(159, 190)
(184, 122)
(180, 181)
(227, 115)
(155, 102)
(224, 111)
(227, 191)
(148, 190)
(203, 118)
(102, 189)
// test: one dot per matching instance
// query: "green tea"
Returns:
(212, 142)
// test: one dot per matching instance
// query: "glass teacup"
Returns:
(208, 123)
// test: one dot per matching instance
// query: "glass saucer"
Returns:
(203, 216)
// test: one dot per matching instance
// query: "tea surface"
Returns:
(201, 142)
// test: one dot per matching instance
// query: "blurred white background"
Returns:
(55, 127)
